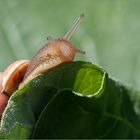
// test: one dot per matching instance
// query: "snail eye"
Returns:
(50, 39)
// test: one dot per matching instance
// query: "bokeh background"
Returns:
(110, 33)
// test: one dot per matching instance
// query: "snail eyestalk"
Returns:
(49, 38)
(79, 51)
(73, 28)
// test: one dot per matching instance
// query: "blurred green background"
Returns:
(110, 33)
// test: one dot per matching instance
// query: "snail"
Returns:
(56, 52)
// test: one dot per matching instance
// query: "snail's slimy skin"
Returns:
(54, 53)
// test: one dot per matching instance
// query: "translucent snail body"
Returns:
(56, 52)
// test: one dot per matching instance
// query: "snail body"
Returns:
(56, 52)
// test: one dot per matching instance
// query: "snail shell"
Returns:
(13, 76)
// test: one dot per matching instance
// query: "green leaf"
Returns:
(112, 115)
(26, 104)
(73, 100)
(109, 33)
